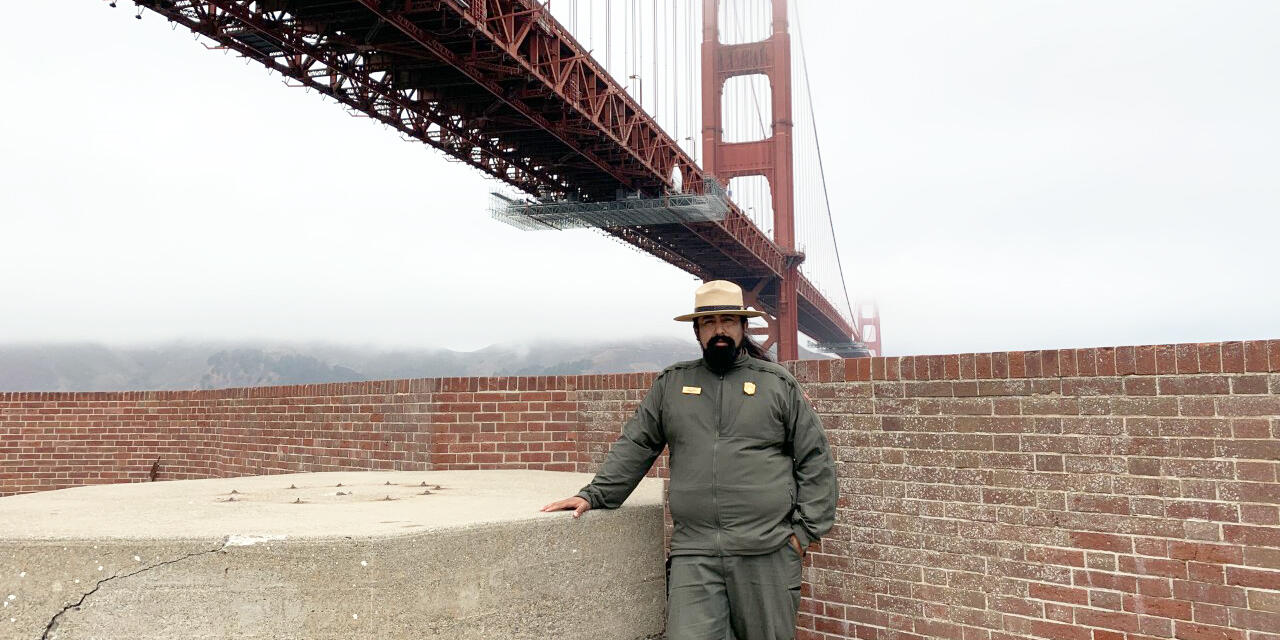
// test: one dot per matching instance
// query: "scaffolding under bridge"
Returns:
(629, 210)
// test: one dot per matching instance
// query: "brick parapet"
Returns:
(1120, 492)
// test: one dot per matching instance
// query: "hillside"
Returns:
(192, 365)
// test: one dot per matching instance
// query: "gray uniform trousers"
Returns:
(734, 597)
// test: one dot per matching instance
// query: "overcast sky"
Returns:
(1006, 175)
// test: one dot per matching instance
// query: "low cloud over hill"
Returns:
(192, 365)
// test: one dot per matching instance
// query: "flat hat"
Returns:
(719, 297)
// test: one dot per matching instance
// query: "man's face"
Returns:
(722, 329)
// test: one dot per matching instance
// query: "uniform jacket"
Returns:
(750, 464)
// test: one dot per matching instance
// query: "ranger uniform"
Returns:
(749, 468)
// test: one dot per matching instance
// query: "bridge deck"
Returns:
(503, 87)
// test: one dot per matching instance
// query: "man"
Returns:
(752, 478)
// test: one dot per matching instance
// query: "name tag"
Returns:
(749, 388)
(693, 391)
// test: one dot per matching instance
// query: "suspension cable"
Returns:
(804, 63)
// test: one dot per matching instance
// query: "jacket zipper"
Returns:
(715, 480)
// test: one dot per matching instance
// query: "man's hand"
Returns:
(795, 543)
(576, 503)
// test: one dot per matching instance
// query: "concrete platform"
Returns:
(444, 554)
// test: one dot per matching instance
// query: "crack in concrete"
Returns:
(53, 622)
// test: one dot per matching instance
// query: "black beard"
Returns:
(720, 353)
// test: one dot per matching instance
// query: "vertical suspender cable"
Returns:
(821, 170)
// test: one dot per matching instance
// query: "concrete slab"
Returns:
(445, 554)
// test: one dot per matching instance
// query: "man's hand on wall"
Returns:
(578, 505)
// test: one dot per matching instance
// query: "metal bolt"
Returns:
(298, 501)
(293, 486)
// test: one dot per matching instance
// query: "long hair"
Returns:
(754, 350)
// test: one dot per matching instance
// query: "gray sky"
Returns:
(1005, 175)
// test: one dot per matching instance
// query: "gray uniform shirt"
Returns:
(750, 464)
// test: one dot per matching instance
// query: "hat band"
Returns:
(719, 307)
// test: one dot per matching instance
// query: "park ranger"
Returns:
(752, 478)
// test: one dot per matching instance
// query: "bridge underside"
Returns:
(503, 87)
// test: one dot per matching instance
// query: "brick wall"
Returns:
(1122, 493)
(557, 423)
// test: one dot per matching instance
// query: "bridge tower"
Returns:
(770, 157)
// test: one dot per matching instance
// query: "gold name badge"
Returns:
(749, 388)
(693, 391)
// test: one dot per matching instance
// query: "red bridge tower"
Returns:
(769, 157)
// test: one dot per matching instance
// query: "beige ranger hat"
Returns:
(717, 297)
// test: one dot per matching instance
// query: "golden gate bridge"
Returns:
(683, 129)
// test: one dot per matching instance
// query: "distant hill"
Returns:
(190, 365)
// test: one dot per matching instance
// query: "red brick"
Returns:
(1255, 355)
(1233, 406)
(1126, 363)
(1205, 552)
(1032, 363)
(1210, 357)
(950, 367)
(1192, 631)
(1166, 359)
(1144, 359)
(1253, 620)
(1017, 364)
(1210, 614)
(1107, 619)
(1258, 578)
(1233, 357)
(1193, 385)
(1154, 587)
(1187, 357)
(1067, 363)
(1265, 601)
(1057, 593)
(1106, 361)
(1214, 594)
(982, 364)
(1153, 567)
(999, 365)
(1086, 362)
(1105, 580)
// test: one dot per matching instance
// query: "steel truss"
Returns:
(503, 87)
